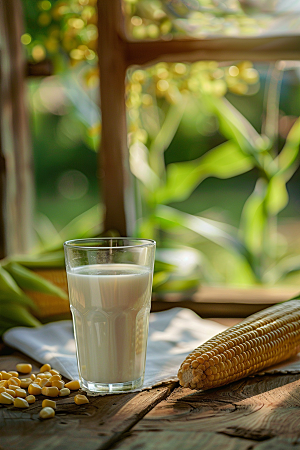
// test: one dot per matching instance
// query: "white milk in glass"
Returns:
(110, 304)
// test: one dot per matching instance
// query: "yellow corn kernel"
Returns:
(41, 375)
(80, 399)
(37, 380)
(48, 402)
(45, 368)
(58, 383)
(13, 373)
(54, 372)
(21, 403)
(4, 383)
(13, 387)
(52, 391)
(20, 393)
(55, 378)
(73, 385)
(15, 381)
(25, 382)
(33, 376)
(24, 368)
(5, 375)
(47, 413)
(34, 389)
(64, 391)
(30, 398)
(0, 376)
(2, 389)
(11, 392)
(45, 382)
(6, 399)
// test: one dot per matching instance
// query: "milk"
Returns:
(110, 304)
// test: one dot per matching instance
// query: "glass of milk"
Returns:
(110, 285)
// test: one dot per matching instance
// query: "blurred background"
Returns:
(204, 140)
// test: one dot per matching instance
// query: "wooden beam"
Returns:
(222, 49)
(113, 157)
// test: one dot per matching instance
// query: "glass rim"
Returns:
(76, 243)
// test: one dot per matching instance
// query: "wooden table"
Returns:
(261, 413)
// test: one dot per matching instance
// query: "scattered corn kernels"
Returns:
(15, 381)
(20, 393)
(45, 368)
(24, 368)
(11, 392)
(52, 391)
(58, 383)
(54, 372)
(48, 402)
(80, 399)
(33, 376)
(13, 373)
(55, 378)
(47, 413)
(30, 398)
(25, 382)
(73, 385)
(34, 389)
(6, 399)
(64, 391)
(21, 403)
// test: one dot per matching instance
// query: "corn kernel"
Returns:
(5, 375)
(13, 387)
(0, 376)
(34, 389)
(21, 403)
(58, 383)
(54, 372)
(47, 413)
(6, 399)
(73, 385)
(41, 375)
(55, 378)
(11, 392)
(13, 373)
(48, 402)
(52, 391)
(2, 389)
(45, 368)
(30, 398)
(64, 391)
(24, 368)
(25, 382)
(15, 381)
(45, 382)
(80, 399)
(33, 376)
(4, 383)
(20, 393)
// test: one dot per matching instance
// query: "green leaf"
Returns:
(224, 161)
(288, 155)
(29, 280)
(18, 314)
(53, 259)
(163, 266)
(10, 291)
(253, 219)
(210, 229)
(284, 267)
(277, 196)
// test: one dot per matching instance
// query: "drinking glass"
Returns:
(110, 284)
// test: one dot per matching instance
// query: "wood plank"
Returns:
(94, 426)
(113, 171)
(256, 408)
(185, 440)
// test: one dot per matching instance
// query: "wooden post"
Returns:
(113, 157)
(16, 202)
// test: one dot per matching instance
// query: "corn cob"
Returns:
(263, 339)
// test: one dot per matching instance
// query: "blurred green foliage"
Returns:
(159, 100)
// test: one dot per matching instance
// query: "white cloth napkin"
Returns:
(173, 334)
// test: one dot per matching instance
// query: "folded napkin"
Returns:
(173, 334)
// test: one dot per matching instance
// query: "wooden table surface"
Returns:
(258, 413)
